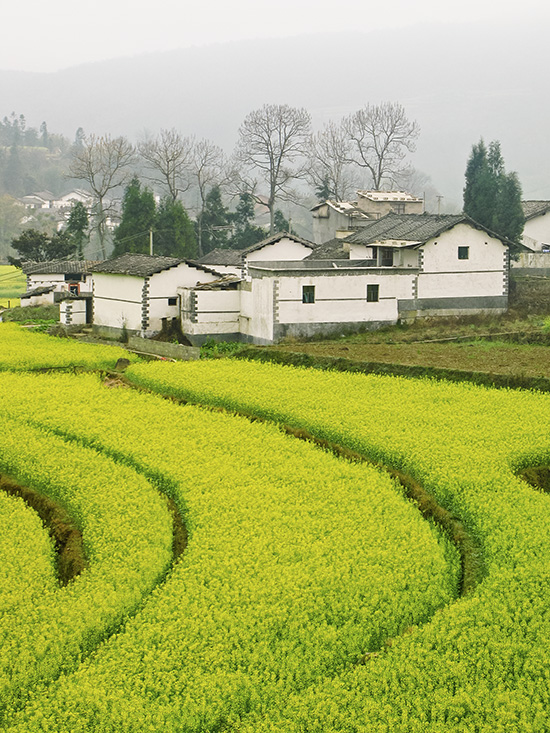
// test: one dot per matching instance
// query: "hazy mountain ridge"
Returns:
(460, 83)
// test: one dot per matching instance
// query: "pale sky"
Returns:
(47, 36)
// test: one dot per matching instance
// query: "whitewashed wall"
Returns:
(537, 232)
(445, 276)
(164, 285)
(283, 250)
(117, 301)
(58, 280)
(72, 312)
(257, 308)
(343, 298)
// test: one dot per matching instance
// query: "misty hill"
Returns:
(459, 82)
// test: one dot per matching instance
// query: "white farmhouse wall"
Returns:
(163, 286)
(343, 298)
(210, 313)
(117, 301)
(72, 312)
(283, 250)
(361, 252)
(257, 309)
(444, 275)
(40, 280)
(58, 281)
(536, 232)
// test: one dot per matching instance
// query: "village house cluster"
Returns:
(373, 262)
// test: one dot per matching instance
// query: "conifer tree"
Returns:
(215, 221)
(492, 197)
(138, 218)
(174, 234)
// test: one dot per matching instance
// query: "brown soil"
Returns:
(490, 357)
(71, 559)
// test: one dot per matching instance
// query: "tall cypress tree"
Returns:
(174, 234)
(215, 221)
(492, 197)
(138, 218)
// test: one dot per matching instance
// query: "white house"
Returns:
(396, 268)
(138, 292)
(336, 219)
(536, 238)
(280, 247)
(379, 203)
(50, 282)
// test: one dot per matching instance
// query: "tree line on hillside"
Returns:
(276, 149)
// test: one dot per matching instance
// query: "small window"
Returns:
(373, 293)
(172, 301)
(308, 294)
(386, 257)
(463, 253)
(74, 288)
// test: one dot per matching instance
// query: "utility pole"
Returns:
(439, 204)
(150, 241)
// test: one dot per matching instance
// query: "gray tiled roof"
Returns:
(408, 227)
(227, 257)
(141, 265)
(331, 250)
(37, 291)
(534, 208)
(59, 267)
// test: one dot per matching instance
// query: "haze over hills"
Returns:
(459, 82)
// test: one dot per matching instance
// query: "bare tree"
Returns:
(169, 157)
(329, 168)
(104, 163)
(272, 140)
(381, 135)
(208, 167)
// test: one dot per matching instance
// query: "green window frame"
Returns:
(373, 293)
(463, 253)
(308, 293)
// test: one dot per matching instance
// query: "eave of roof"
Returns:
(274, 238)
(59, 267)
(532, 209)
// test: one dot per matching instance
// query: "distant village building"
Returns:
(337, 219)
(379, 203)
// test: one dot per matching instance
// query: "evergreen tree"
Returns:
(491, 196)
(509, 219)
(323, 189)
(245, 233)
(174, 233)
(138, 218)
(61, 247)
(77, 226)
(281, 223)
(215, 221)
(35, 246)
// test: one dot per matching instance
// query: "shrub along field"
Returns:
(312, 595)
